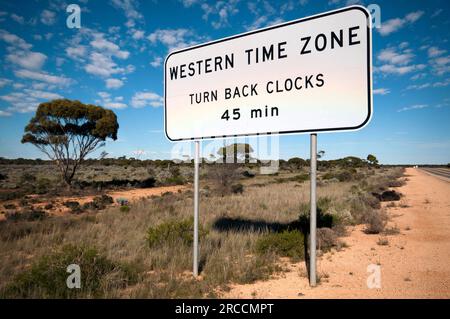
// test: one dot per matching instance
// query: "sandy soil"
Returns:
(131, 195)
(415, 263)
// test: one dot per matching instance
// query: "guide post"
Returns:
(313, 213)
(196, 173)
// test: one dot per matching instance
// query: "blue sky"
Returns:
(116, 60)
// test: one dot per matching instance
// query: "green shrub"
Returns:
(324, 219)
(289, 243)
(99, 202)
(42, 186)
(74, 206)
(124, 209)
(174, 180)
(173, 232)
(46, 278)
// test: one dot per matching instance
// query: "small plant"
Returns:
(173, 232)
(47, 276)
(237, 188)
(394, 230)
(326, 239)
(375, 221)
(383, 241)
(289, 243)
(29, 214)
(124, 209)
(74, 206)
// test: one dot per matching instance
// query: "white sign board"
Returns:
(307, 75)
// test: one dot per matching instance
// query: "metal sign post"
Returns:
(313, 213)
(196, 173)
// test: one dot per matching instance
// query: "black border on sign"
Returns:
(369, 78)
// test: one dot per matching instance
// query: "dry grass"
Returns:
(233, 224)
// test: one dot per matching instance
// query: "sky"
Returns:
(116, 60)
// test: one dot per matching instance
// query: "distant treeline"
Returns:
(349, 161)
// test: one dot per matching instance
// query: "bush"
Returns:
(99, 202)
(326, 239)
(30, 214)
(73, 206)
(324, 219)
(237, 188)
(289, 243)
(124, 209)
(175, 180)
(248, 174)
(173, 232)
(46, 278)
(42, 186)
(3, 177)
(375, 221)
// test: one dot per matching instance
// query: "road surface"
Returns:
(441, 172)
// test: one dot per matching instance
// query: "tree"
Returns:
(236, 151)
(372, 160)
(67, 131)
(297, 162)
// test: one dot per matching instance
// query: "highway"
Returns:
(441, 172)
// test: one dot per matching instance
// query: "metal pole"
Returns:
(313, 214)
(196, 163)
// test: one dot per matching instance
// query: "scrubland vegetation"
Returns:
(144, 248)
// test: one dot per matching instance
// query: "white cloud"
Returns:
(14, 40)
(138, 34)
(43, 76)
(390, 55)
(4, 82)
(413, 107)
(129, 7)
(396, 24)
(436, 13)
(399, 70)
(5, 113)
(381, 91)
(17, 18)
(109, 102)
(435, 51)
(156, 62)
(413, 16)
(27, 60)
(114, 83)
(102, 65)
(143, 99)
(174, 38)
(27, 100)
(441, 65)
(42, 94)
(48, 17)
(437, 84)
(101, 44)
(77, 52)
(397, 61)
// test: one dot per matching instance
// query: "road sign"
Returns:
(303, 76)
